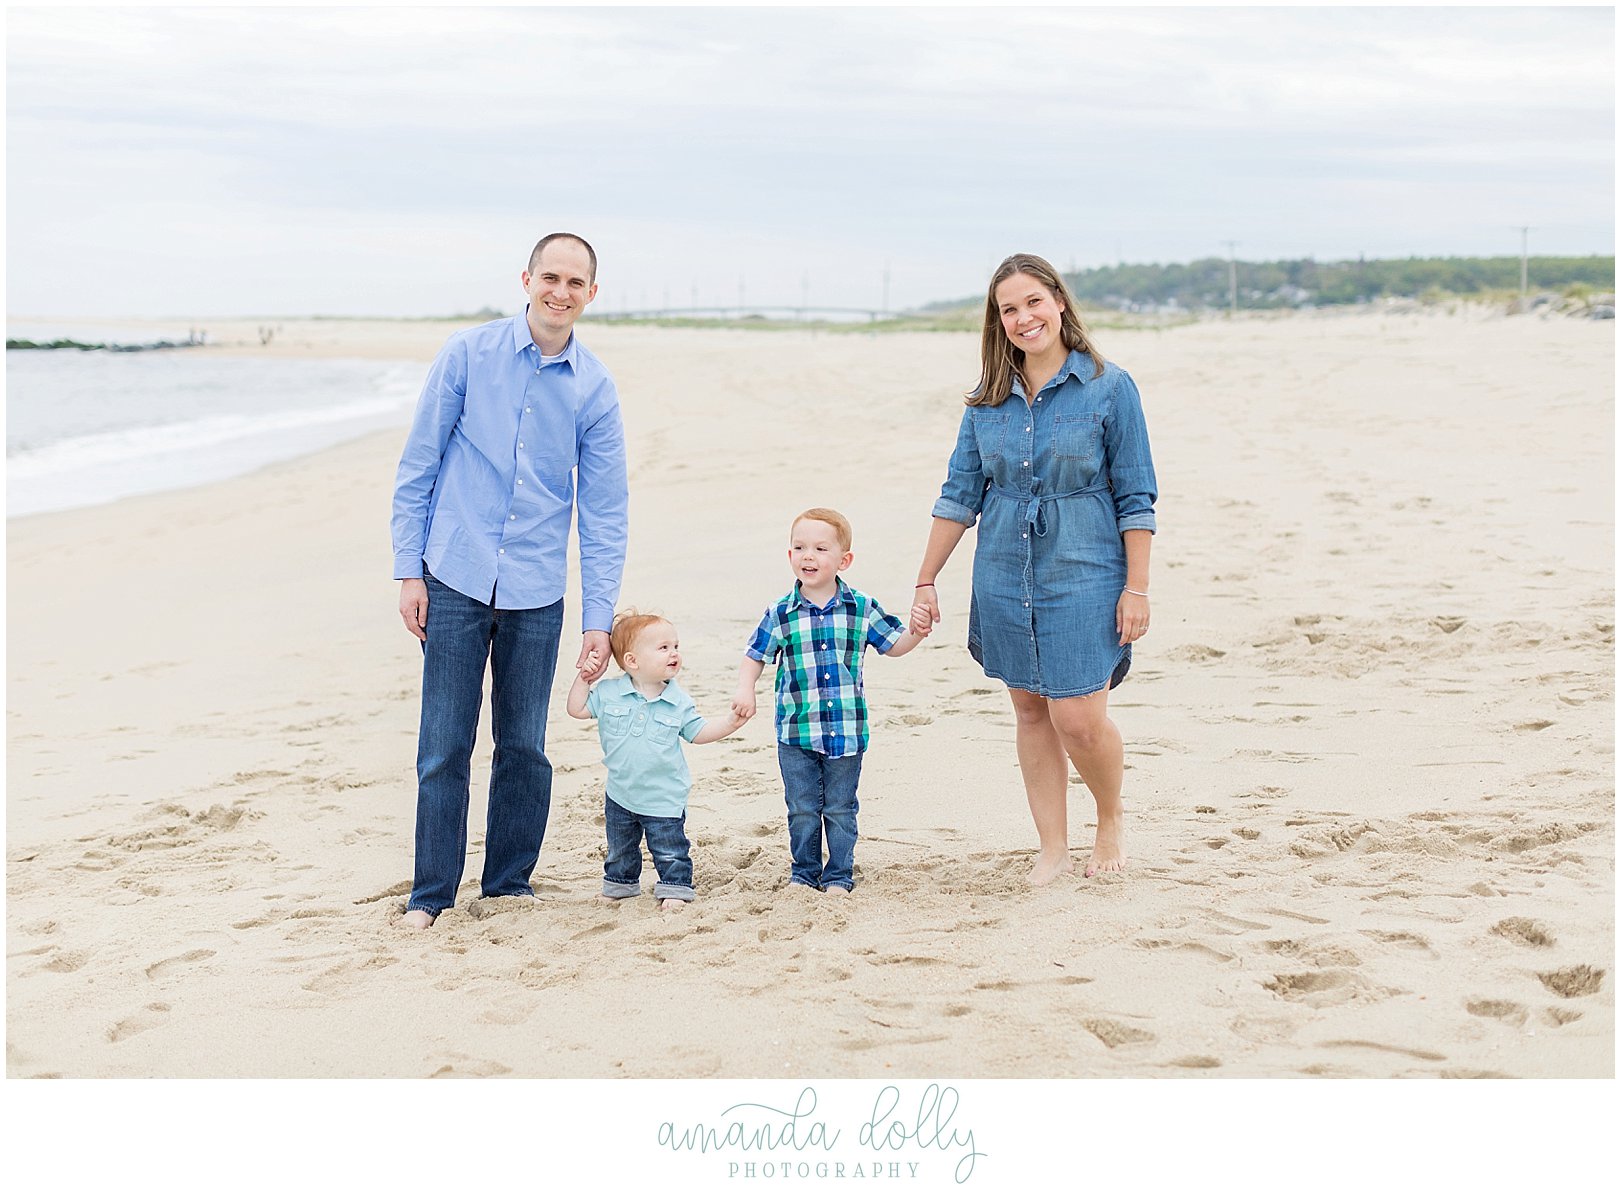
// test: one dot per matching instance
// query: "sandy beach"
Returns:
(1369, 738)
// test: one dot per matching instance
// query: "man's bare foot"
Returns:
(1049, 867)
(1109, 849)
(672, 905)
(834, 889)
(417, 919)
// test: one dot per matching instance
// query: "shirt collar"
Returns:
(843, 593)
(618, 687)
(522, 340)
(1076, 363)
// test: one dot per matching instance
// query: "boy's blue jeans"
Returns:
(821, 793)
(666, 841)
(520, 648)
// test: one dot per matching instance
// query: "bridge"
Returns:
(738, 313)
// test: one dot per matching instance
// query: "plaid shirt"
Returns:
(820, 706)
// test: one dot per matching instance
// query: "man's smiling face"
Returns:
(560, 287)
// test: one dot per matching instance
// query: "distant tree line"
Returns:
(1288, 283)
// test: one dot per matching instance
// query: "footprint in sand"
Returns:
(67, 963)
(1523, 931)
(1560, 1016)
(164, 965)
(595, 930)
(1114, 1034)
(471, 1067)
(1571, 982)
(150, 1016)
(1196, 1062)
(1497, 1009)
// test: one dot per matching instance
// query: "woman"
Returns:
(1052, 459)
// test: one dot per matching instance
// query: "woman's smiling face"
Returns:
(1031, 314)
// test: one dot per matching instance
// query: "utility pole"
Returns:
(1232, 277)
(1525, 263)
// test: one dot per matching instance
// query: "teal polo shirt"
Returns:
(641, 745)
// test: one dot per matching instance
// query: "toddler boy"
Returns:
(642, 716)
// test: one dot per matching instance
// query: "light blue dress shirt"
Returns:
(641, 745)
(486, 484)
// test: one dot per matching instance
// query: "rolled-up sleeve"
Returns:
(438, 409)
(766, 642)
(602, 511)
(1127, 458)
(963, 493)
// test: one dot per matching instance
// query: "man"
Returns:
(482, 501)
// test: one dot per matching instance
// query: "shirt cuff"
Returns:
(408, 565)
(1137, 520)
(951, 510)
(596, 619)
(754, 654)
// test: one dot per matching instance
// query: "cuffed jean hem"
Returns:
(847, 885)
(674, 891)
(433, 912)
(805, 883)
(620, 891)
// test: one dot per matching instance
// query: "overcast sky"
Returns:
(402, 161)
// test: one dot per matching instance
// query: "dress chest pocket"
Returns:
(990, 432)
(1077, 436)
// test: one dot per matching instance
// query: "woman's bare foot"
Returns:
(1109, 849)
(417, 919)
(834, 889)
(672, 905)
(1049, 867)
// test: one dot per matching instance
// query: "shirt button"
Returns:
(1026, 536)
(1027, 429)
(500, 550)
(1027, 604)
(1026, 461)
(824, 648)
(520, 445)
(514, 516)
(526, 408)
(520, 482)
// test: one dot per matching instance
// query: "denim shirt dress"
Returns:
(1053, 482)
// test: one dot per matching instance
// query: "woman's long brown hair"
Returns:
(999, 359)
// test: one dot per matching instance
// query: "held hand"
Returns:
(414, 607)
(922, 623)
(925, 600)
(743, 705)
(1131, 616)
(594, 654)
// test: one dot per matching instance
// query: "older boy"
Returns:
(817, 633)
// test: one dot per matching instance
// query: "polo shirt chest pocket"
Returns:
(616, 720)
(1076, 435)
(663, 728)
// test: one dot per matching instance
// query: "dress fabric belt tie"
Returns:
(1037, 500)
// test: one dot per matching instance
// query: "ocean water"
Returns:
(88, 427)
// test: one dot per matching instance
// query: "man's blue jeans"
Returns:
(666, 842)
(520, 648)
(821, 793)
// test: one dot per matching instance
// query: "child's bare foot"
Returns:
(834, 889)
(1049, 867)
(417, 919)
(1109, 849)
(672, 905)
